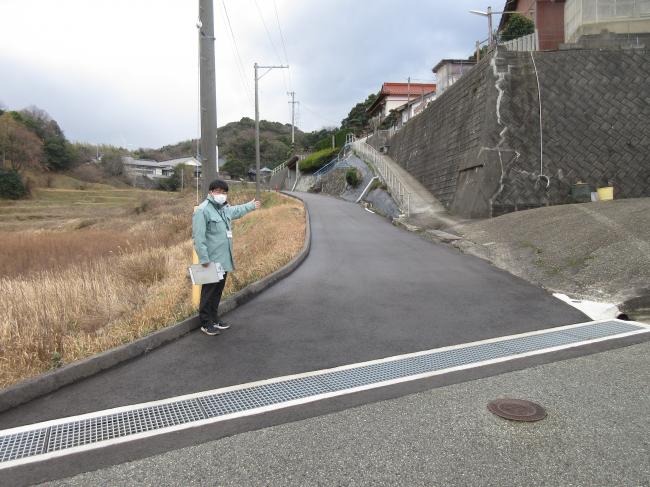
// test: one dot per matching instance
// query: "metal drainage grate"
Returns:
(60, 437)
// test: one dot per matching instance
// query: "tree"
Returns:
(357, 120)
(11, 185)
(517, 26)
(56, 151)
(19, 147)
(112, 164)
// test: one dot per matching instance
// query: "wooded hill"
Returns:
(236, 142)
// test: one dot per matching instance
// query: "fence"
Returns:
(524, 43)
(397, 189)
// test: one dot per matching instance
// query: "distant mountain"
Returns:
(236, 142)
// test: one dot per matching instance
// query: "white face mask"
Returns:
(220, 199)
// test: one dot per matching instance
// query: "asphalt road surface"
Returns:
(367, 290)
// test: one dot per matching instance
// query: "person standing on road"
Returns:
(212, 236)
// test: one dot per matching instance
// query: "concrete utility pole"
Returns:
(408, 99)
(257, 123)
(293, 102)
(208, 94)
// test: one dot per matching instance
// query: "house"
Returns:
(265, 172)
(158, 170)
(548, 16)
(395, 95)
(627, 20)
(448, 71)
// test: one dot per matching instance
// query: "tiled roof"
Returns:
(402, 89)
(406, 89)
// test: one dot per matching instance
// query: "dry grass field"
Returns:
(85, 270)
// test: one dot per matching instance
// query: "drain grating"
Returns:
(60, 437)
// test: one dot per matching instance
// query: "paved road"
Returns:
(596, 434)
(367, 290)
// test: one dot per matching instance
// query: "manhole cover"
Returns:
(517, 409)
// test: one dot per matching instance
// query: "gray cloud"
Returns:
(140, 90)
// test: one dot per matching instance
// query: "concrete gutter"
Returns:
(50, 381)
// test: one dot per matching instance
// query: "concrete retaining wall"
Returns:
(477, 147)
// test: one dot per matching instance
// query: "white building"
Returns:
(400, 96)
(448, 71)
(592, 17)
(157, 170)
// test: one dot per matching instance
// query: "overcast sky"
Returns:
(125, 72)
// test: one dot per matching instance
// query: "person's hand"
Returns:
(206, 264)
(257, 204)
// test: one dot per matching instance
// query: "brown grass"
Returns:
(71, 293)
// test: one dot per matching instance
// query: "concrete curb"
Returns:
(74, 372)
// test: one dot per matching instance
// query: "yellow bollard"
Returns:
(196, 289)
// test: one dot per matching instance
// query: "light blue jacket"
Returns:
(210, 223)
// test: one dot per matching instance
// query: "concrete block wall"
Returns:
(477, 148)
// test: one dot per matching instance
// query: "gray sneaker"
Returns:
(222, 325)
(210, 329)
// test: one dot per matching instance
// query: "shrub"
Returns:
(517, 26)
(353, 177)
(317, 160)
(12, 185)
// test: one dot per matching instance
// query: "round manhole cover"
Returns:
(517, 409)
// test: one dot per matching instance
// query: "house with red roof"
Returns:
(408, 98)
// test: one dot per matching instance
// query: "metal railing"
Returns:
(392, 180)
(279, 168)
(327, 167)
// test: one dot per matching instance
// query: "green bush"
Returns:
(517, 26)
(353, 177)
(315, 161)
(12, 185)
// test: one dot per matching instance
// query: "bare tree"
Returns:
(19, 147)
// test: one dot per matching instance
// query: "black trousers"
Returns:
(210, 298)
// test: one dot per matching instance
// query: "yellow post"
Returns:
(196, 289)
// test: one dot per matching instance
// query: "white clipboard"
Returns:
(206, 275)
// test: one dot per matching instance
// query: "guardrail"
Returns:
(397, 189)
(279, 168)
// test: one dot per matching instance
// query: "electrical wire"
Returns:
(284, 47)
(541, 132)
(240, 65)
(268, 34)
(329, 122)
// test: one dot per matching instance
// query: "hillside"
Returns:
(237, 145)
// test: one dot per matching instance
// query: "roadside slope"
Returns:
(598, 251)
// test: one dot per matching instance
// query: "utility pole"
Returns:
(257, 123)
(408, 100)
(208, 94)
(293, 102)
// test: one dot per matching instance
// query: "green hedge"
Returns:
(315, 161)
(11, 185)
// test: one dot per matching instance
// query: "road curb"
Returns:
(74, 372)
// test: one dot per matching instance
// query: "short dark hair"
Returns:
(218, 184)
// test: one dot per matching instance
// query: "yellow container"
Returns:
(606, 194)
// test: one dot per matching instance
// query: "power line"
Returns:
(268, 34)
(284, 47)
(277, 17)
(259, 11)
(329, 122)
(240, 64)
